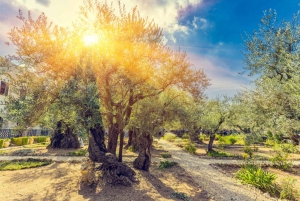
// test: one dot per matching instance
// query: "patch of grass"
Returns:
(22, 164)
(169, 137)
(166, 164)
(44, 144)
(219, 154)
(287, 148)
(190, 148)
(2, 152)
(180, 195)
(166, 155)
(23, 152)
(81, 152)
(288, 190)
(254, 175)
(281, 162)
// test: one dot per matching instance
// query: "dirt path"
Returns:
(220, 186)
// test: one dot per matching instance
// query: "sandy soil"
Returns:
(59, 181)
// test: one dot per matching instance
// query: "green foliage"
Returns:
(232, 140)
(19, 141)
(248, 150)
(166, 164)
(22, 164)
(218, 154)
(3, 152)
(287, 148)
(190, 148)
(178, 141)
(288, 190)
(40, 139)
(270, 143)
(203, 137)
(1, 143)
(256, 176)
(169, 137)
(185, 136)
(81, 152)
(280, 161)
(131, 148)
(180, 195)
(166, 155)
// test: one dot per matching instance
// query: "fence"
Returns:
(9, 133)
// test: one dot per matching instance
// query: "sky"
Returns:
(209, 31)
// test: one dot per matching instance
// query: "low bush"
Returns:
(232, 140)
(81, 152)
(178, 141)
(169, 137)
(218, 154)
(180, 195)
(166, 155)
(44, 144)
(280, 161)
(40, 139)
(203, 137)
(23, 152)
(190, 148)
(287, 148)
(19, 141)
(1, 143)
(166, 164)
(185, 136)
(270, 143)
(288, 190)
(22, 164)
(257, 177)
(248, 150)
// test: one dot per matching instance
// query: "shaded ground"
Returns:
(59, 181)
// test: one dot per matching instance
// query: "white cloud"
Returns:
(199, 23)
(223, 80)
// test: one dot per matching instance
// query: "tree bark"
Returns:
(121, 145)
(129, 143)
(210, 143)
(143, 161)
(113, 134)
(66, 140)
(97, 149)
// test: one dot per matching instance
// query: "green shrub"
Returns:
(185, 136)
(218, 154)
(270, 143)
(169, 137)
(288, 190)
(40, 139)
(281, 162)
(190, 148)
(232, 140)
(166, 155)
(287, 148)
(19, 141)
(178, 141)
(1, 143)
(180, 195)
(166, 164)
(257, 177)
(81, 152)
(248, 150)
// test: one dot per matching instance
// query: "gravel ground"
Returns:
(220, 186)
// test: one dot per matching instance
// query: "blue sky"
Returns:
(208, 30)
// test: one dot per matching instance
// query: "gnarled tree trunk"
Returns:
(96, 148)
(114, 172)
(113, 133)
(143, 161)
(132, 140)
(66, 140)
(210, 143)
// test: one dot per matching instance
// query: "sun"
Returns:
(90, 39)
